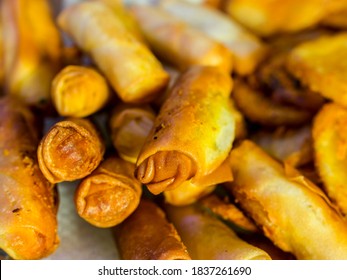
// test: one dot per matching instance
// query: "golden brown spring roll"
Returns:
(292, 212)
(132, 70)
(330, 150)
(70, 150)
(178, 43)
(320, 65)
(247, 49)
(192, 135)
(32, 49)
(268, 17)
(109, 194)
(228, 212)
(208, 238)
(28, 224)
(148, 235)
(130, 126)
(79, 91)
(260, 109)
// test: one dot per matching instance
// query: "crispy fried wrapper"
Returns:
(330, 151)
(320, 64)
(109, 194)
(192, 135)
(70, 150)
(32, 49)
(130, 126)
(28, 223)
(259, 108)
(208, 238)
(247, 49)
(269, 17)
(79, 91)
(177, 42)
(292, 212)
(130, 67)
(148, 235)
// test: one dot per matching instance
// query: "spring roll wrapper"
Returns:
(110, 194)
(28, 225)
(207, 238)
(293, 212)
(70, 150)
(329, 142)
(132, 70)
(32, 49)
(130, 126)
(178, 43)
(148, 235)
(192, 135)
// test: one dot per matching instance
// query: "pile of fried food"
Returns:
(226, 131)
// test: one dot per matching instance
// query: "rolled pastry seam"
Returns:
(275, 196)
(109, 194)
(178, 43)
(248, 50)
(148, 235)
(28, 221)
(32, 50)
(192, 134)
(130, 67)
(130, 126)
(329, 143)
(208, 238)
(79, 91)
(70, 150)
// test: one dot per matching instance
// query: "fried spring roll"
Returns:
(330, 150)
(192, 135)
(320, 65)
(32, 49)
(148, 235)
(70, 150)
(178, 43)
(28, 224)
(130, 126)
(247, 49)
(260, 109)
(109, 194)
(208, 238)
(79, 91)
(132, 70)
(293, 212)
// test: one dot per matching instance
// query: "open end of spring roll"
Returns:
(28, 222)
(71, 150)
(193, 133)
(292, 212)
(147, 235)
(109, 195)
(207, 238)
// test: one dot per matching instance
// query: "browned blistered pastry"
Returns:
(293, 212)
(177, 42)
(132, 70)
(110, 194)
(79, 91)
(330, 152)
(208, 238)
(70, 150)
(228, 212)
(248, 51)
(148, 235)
(32, 49)
(28, 224)
(130, 126)
(192, 135)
